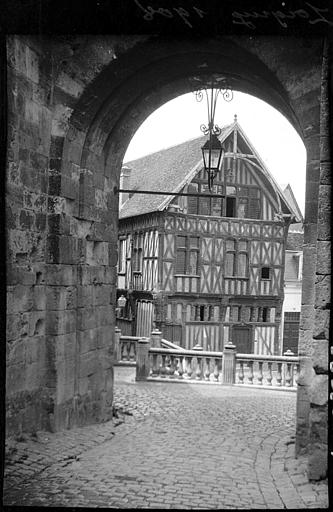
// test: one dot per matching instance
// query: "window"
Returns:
(204, 205)
(234, 201)
(202, 313)
(231, 207)
(137, 252)
(192, 201)
(122, 256)
(236, 258)
(230, 257)
(230, 202)
(242, 260)
(265, 273)
(254, 203)
(265, 314)
(242, 208)
(187, 257)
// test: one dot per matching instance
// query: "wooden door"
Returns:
(144, 318)
(241, 337)
(291, 331)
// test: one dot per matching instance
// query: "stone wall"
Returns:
(30, 364)
(61, 248)
(318, 391)
(74, 104)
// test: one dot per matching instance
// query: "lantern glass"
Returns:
(212, 152)
(121, 302)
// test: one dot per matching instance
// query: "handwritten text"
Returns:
(184, 14)
(313, 15)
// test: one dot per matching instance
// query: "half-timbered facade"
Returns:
(204, 270)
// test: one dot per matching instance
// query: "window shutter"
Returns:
(204, 205)
(230, 264)
(180, 261)
(192, 202)
(242, 265)
(254, 204)
(193, 264)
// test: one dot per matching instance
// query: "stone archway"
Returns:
(115, 83)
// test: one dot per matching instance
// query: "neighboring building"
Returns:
(292, 288)
(204, 270)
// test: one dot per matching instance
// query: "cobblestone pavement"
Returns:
(172, 446)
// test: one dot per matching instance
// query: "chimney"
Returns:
(125, 176)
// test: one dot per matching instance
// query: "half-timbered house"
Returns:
(204, 270)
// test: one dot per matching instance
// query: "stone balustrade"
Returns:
(273, 371)
(125, 348)
(185, 365)
(158, 359)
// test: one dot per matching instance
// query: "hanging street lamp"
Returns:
(212, 152)
(213, 149)
(121, 302)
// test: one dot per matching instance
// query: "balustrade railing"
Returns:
(158, 359)
(185, 365)
(126, 349)
(277, 371)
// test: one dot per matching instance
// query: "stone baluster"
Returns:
(155, 338)
(216, 369)
(229, 364)
(163, 369)
(207, 372)
(288, 376)
(241, 372)
(172, 367)
(142, 359)
(198, 371)
(154, 365)
(296, 372)
(189, 367)
(250, 377)
(117, 344)
(279, 374)
(125, 350)
(269, 374)
(180, 367)
(132, 351)
(260, 374)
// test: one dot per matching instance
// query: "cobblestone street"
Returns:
(172, 446)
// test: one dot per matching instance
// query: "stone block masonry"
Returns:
(59, 311)
(74, 103)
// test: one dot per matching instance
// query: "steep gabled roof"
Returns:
(166, 170)
(171, 169)
(289, 195)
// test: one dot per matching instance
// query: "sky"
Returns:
(271, 134)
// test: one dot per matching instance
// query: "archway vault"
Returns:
(111, 85)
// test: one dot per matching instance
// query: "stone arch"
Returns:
(116, 82)
(132, 86)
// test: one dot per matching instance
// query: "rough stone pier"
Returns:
(170, 446)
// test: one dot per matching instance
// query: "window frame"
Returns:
(137, 256)
(122, 254)
(232, 195)
(236, 251)
(187, 249)
(269, 273)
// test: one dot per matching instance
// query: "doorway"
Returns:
(242, 339)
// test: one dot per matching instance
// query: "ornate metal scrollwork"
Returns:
(212, 94)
